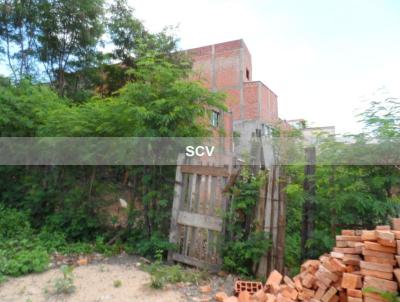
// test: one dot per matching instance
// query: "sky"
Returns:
(324, 59)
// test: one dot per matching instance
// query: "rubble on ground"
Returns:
(361, 259)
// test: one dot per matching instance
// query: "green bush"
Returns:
(244, 245)
(13, 224)
(162, 274)
(20, 251)
(24, 262)
(240, 255)
(148, 247)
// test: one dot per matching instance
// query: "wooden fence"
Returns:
(197, 213)
(197, 226)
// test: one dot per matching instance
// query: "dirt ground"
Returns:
(94, 283)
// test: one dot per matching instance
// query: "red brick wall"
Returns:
(223, 67)
(269, 105)
(251, 104)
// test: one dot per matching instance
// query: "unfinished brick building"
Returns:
(252, 106)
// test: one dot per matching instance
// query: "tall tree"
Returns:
(125, 32)
(70, 31)
(18, 29)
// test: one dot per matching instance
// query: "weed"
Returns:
(65, 285)
(102, 268)
(117, 283)
(162, 274)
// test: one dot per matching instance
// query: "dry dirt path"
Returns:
(94, 283)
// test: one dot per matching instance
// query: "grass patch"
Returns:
(162, 274)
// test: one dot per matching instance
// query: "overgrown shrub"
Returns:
(240, 255)
(244, 243)
(20, 251)
(162, 274)
(148, 247)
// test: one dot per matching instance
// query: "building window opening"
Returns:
(247, 74)
(215, 118)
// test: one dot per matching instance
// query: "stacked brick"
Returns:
(361, 260)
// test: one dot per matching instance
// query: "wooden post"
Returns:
(280, 248)
(309, 202)
(173, 235)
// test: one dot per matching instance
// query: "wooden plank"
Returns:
(211, 211)
(200, 221)
(194, 242)
(213, 268)
(201, 236)
(192, 197)
(205, 170)
(281, 221)
(173, 235)
(275, 200)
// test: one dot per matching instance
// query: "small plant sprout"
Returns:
(117, 283)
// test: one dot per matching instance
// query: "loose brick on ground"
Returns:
(382, 228)
(380, 260)
(306, 294)
(319, 293)
(368, 252)
(231, 299)
(220, 296)
(259, 296)
(373, 246)
(351, 259)
(244, 296)
(350, 280)
(335, 298)
(381, 275)
(308, 281)
(387, 235)
(288, 292)
(397, 275)
(373, 297)
(280, 298)
(348, 238)
(347, 250)
(329, 294)
(356, 293)
(274, 279)
(289, 282)
(353, 299)
(381, 267)
(337, 255)
(368, 235)
(386, 242)
(381, 284)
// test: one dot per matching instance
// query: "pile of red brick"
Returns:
(361, 260)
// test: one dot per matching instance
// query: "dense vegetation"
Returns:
(357, 196)
(86, 68)
(140, 88)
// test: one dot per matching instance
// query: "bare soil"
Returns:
(94, 283)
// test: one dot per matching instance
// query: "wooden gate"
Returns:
(197, 214)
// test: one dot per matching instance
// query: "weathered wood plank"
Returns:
(213, 268)
(173, 235)
(205, 170)
(200, 221)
